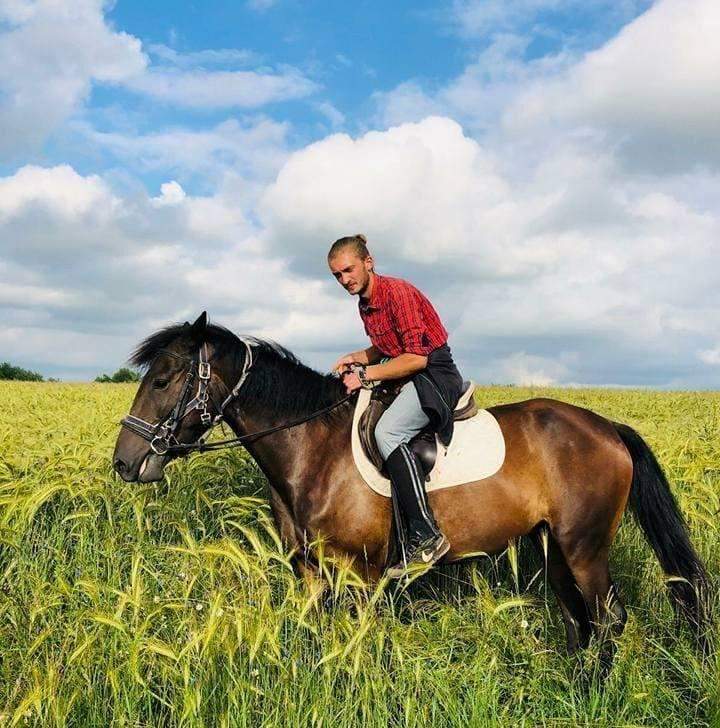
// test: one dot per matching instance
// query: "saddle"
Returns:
(424, 444)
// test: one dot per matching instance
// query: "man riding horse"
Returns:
(408, 341)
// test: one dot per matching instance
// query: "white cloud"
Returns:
(710, 356)
(553, 249)
(254, 149)
(60, 190)
(425, 186)
(521, 368)
(113, 268)
(331, 113)
(649, 93)
(75, 354)
(52, 52)
(406, 102)
(17, 11)
(222, 89)
(205, 57)
(482, 18)
(171, 193)
(567, 257)
(653, 87)
(48, 59)
(481, 94)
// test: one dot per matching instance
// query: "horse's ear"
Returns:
(197, 330)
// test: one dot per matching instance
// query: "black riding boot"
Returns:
(426, 543)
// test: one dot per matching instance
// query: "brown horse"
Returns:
(567, 471)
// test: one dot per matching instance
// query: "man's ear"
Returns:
(369, 263)
(197, 330)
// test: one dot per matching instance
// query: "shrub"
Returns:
(121, 375)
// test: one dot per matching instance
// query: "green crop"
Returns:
(174, 603)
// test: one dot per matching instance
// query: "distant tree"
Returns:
(8, 371)
(121, 375)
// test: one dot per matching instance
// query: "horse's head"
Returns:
(170, 407)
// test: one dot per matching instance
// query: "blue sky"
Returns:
(546, 170)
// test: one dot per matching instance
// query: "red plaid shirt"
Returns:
(399, 319)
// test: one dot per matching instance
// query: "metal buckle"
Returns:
(204, 369)
(165, 446)
(205, 418)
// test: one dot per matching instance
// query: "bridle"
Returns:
(161, 435)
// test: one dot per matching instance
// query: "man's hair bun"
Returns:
(357, 243)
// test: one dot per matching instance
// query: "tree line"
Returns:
(10, 372)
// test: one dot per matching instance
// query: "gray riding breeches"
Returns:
(401, 421)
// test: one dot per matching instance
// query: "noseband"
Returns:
(161, 435)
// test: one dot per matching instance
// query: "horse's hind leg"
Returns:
(607, 613)
(567, 593)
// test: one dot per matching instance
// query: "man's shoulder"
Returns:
(399, 285)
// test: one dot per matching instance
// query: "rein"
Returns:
(161, 435)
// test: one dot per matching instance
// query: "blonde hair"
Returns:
(358, 243)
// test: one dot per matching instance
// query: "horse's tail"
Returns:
(657, 512)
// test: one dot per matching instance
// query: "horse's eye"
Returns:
(160, 383)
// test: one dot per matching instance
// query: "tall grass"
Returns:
(174, 603)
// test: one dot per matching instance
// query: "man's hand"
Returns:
(351, 382)
(344, 362)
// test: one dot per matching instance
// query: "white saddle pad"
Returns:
(477, 450)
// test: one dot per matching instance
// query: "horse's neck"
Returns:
(289, 457)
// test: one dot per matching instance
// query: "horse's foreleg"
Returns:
(288, 535)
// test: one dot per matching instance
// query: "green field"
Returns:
(173, 603)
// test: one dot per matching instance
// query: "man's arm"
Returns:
(401, 366)
(410, 328)
(364, 356)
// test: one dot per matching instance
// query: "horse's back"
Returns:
(576, 455)
(553, 417)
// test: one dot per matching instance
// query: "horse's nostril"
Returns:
(120, 465)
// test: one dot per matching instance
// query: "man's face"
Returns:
(352, 273)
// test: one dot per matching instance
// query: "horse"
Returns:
(567, 477)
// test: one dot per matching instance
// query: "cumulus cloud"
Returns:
(425, 186)
(653, 87)
(557, 265)
(52, 52)
(60, 190)
(480, 95)
(171, 193)
(49, 55)
(84, 267)
(518, 195)
(649, 93)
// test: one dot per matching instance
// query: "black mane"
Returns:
(278, 380)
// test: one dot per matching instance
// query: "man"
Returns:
(404, 327)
